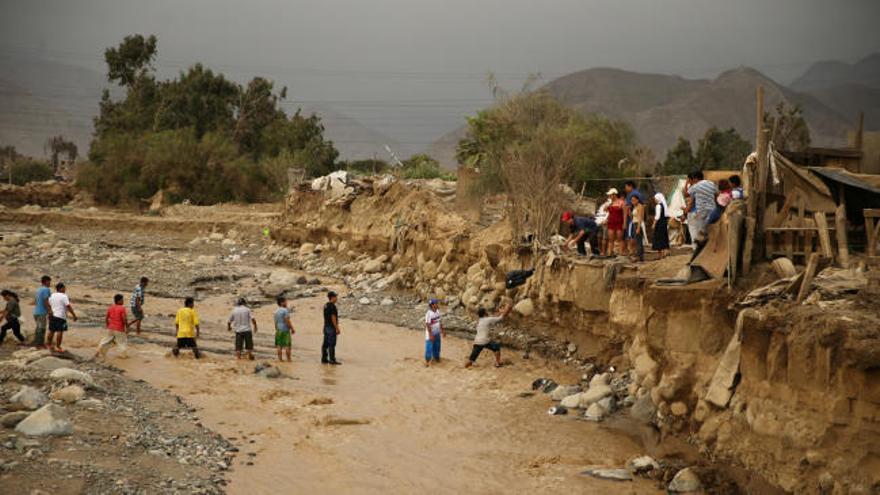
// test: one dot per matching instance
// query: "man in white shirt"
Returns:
(482, 339)
(433, 331)
(59, 304)
(241, 320)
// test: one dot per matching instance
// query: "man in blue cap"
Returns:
(433, 332)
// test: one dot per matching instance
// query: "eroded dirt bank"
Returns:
(790, 396)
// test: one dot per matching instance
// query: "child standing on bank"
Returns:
(433, 332)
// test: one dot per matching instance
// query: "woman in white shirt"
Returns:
(660, 242)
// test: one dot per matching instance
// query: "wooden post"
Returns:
(809, 273)
(840, 232)
(747, 249)
(824, 237)
(734, 238)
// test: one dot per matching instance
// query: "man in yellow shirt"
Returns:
(187, 324)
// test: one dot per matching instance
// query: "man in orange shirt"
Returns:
(117, 329)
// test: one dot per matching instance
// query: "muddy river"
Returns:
(381, 422)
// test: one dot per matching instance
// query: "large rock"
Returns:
(30, 355)
(564, 391)
(50, 363)
(306, 248)
(475, 274)
(374, 266)
(678, 408)
(644, 367)
(267, 370)
(525, 307)
(595, 394)
(644, 409)
(9, 420)
(47, 420)
(68, 394)
(28, 398)
(685, 481)
(72, 375)
(600, 379)
(642, 464)
(282, 278)
(609, 474)
(571, 402)
(595, 412)
(429, 269)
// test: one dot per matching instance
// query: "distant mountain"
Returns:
(848, 88)
(354, 140)
(660, 108)
(443, 149)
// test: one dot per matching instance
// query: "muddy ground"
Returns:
(379, 423)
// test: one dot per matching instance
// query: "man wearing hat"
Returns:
(433, 332)
(240, 320)
(581, 229)
(331, 330)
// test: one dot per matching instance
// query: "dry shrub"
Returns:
(532, 174)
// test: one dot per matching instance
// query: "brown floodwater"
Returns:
(381, 422)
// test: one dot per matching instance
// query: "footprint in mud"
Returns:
(327, 421)
(328, 381)
(274, 394)
(320, 401)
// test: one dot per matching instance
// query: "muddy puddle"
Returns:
(379, 423)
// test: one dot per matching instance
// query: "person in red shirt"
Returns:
(615, 223)
(117, 329)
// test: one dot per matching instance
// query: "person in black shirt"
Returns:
(331, 330)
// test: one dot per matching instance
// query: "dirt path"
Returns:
(380, 422)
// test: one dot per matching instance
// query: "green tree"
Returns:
(198, 136)
(26, 170)
(680, 159)
(423, 166)
(131, 60)
(722, 150)
(607, 144)
(788, 128)
(199, 99)
(257, 110)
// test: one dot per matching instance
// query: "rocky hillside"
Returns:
(662, 108)
(848, 88)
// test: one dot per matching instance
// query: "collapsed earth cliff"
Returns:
(788, 391)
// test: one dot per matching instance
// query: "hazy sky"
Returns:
(411, 68)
